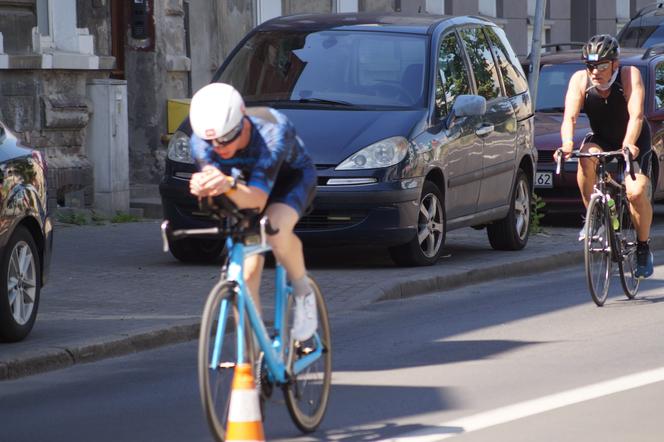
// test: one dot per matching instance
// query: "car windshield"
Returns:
(552, 86)
(330, 68)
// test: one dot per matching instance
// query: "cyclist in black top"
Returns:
(613, 99)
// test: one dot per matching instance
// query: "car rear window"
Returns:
(355, 68)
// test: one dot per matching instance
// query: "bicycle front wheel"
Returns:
(216, 368)
(597, 251)
(627, 261)
(308, 390)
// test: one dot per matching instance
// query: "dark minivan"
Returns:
(417, 125)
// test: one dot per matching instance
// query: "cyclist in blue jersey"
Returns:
(612, 96)
(280, 181)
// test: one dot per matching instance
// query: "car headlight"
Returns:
(178, 148)
(384, 153)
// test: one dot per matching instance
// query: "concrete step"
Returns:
(145, 197)
(151, 207)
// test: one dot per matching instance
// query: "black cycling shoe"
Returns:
(644, 261)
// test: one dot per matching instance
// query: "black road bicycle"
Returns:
(609, 231)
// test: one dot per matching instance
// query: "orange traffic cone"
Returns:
(244, 414)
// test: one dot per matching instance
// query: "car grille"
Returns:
(323, 219)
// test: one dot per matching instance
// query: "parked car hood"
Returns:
(332, 135)
(547, 130)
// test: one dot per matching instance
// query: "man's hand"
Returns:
(566, 152)
(209, 182)
(634, 150)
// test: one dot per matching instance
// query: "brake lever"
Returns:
(559, 160)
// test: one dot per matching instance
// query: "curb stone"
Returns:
(66, 357)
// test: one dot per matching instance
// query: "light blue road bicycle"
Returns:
(233, 332)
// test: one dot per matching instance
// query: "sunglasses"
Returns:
(231, 135)
(601, 67)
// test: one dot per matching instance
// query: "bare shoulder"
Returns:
(578, 80)
(630, 73)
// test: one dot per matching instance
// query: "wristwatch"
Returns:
(233, 182)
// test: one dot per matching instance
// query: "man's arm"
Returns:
(634, 95)
(212, 182)
(573, 105)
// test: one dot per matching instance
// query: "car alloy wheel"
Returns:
(21, 282)
(511, 232)
(430, 225)
(425, 248)
(20, 286)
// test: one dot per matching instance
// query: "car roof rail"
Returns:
(648, 8)
(557, 46)
(655, 49)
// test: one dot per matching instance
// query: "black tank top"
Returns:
(609, 116)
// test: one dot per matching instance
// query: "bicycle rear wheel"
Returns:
(215, 378)
(308, 391)
(597, 251)
(627, 263)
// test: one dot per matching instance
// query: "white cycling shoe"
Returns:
(305, 321)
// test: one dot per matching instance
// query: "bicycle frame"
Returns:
(273, 348)
(602, 187)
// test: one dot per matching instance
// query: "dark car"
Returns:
(417, 125)
(645, 28)
(560, 193)
(26, 236)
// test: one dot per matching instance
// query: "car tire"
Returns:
(427, 245)
(511, 232)
(196, 251)
(20, 286)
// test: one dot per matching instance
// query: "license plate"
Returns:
(544, 179)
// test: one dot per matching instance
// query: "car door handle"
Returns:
(484, 130)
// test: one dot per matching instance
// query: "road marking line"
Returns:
(529, 408)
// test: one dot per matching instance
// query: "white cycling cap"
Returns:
(216, 109)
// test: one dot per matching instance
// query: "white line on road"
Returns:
(529, 408)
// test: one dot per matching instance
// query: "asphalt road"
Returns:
(514, 360)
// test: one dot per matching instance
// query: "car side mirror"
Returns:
(466, 106)
(469, 106)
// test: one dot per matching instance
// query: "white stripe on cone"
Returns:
(244, 406)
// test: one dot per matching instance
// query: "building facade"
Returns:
(55, 53)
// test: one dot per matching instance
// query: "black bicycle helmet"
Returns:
(601, 47)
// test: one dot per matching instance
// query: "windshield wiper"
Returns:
(551, 109)
(324, 101)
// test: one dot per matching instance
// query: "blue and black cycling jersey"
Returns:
(274, 161)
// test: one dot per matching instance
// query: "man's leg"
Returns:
(586, 173)
(253, 269)
(585, 178)
(638, 193)
(287, 248)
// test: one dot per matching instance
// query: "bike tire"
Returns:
(597, 254)
(215, 383)
(307, 393)
(627, 261)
